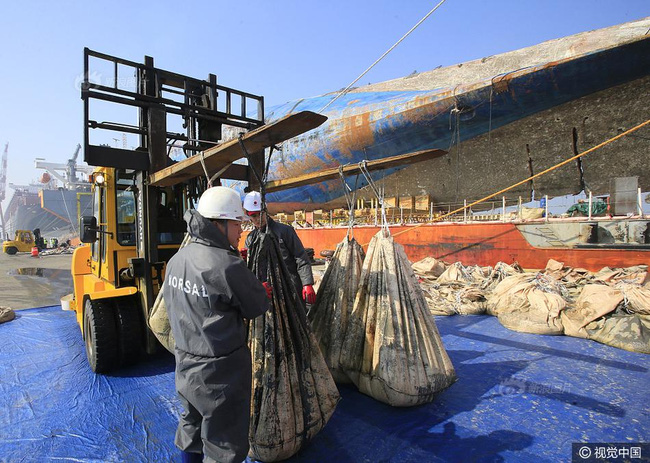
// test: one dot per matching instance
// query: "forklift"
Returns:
(23, 242)
(141, 194)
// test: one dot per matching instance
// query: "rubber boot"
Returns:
(188, 457)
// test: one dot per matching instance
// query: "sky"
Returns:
(281, 49)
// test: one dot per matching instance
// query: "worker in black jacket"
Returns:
(293, 252)
(210, 293)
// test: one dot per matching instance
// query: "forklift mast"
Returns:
(203, 106)
(141, 193)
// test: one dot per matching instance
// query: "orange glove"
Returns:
(269, 290)
(308, 294)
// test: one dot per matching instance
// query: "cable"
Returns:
(207, 176)
(346, 89)
(68, 213)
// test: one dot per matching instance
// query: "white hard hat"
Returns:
(253, 201)
(221, 202)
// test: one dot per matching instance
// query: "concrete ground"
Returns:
(27, 282)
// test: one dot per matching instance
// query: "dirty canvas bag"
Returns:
(393, 351)
(294, 394)
(334, 301)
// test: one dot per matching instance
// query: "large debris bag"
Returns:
(616, 316)
(500, 297)
(595, 301)
(529, 303)
(159, 323)
(334, 301)
(637, 274)
(460, 286)
(629, 331)
(393, 351)
(500, 272)
(457, 272)
(438, 298)
(470, 301)
(637, 297)
(429, 267)
(428, 270)
(6, 314)
(158, 320)
(454, 299)
(573, 279)
(294, 394)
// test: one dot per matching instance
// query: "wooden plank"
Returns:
(352, 169)
(221, 155)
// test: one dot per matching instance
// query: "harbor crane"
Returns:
(69, 169)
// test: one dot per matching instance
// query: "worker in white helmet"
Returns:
(210, 293)
(293, 252)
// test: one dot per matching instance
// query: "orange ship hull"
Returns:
(481, 244)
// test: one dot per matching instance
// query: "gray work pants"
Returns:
(215, 393)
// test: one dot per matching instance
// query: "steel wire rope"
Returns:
(544, 172)
(47, 222)
(346, 89)
(67, 211)
(207, 176)
(350, 198)
(380, 197)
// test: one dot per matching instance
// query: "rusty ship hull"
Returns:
(55, 212)
(501, 118)
(616, 243)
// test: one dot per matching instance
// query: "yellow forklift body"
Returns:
(97, 268)
(88, 285)
(23, 242)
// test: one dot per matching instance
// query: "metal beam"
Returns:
(220, 156)
(352, 169)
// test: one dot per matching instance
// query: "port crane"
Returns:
(70, 169)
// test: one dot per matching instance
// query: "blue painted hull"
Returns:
(374, 125)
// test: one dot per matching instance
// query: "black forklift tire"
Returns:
(130, 330)
(11, 250)
(100, 335)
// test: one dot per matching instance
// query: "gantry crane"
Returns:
(69, 176)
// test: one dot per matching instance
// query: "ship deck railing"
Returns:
(513, 211)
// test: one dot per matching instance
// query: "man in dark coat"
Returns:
(293, 252)
(210, 293)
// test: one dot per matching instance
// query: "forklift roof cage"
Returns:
(203, 105)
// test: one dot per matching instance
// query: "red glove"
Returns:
(308, 294)
(244, 253)
(267, 287)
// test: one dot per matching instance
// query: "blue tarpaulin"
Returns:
(519, 397)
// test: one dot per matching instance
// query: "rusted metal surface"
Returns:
(478, 244)
(329, 174)
(469, 110)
